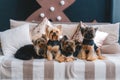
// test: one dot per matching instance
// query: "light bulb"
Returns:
(62, 2)
(42, 15)
(59, 18)
(52, 9)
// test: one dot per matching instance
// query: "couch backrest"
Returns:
(70, 28)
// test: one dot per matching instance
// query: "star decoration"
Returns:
(52, 9)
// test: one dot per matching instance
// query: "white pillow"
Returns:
(13, 39)
(100, 37)
(111, 49)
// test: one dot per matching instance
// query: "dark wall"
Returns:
(88, 10)
(15, 9)
(116, 11)
(85, 10)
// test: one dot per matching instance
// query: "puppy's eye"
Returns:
(56, 31)
(51, 32)
(38, 42)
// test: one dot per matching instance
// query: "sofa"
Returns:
(42, 69)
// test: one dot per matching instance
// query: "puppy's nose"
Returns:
(68, 46)
(54, 33)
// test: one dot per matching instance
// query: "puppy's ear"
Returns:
(65, 37)
(34, 42)
(82, 30)
(82, 27)
(77, 42)
(59, 27)
(47, 31)
(95, 29)
(44, 36)
(82, 24)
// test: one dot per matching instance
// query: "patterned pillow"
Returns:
(77, 35)
(40, 29)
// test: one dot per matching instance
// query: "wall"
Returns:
(116, 11)
(15, 9)
(85, 10)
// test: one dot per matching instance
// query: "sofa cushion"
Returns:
(113, 30)
(15, 23)
(41, 69)
(13, 39)
(68, 28)
(111, 49)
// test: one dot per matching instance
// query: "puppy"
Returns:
(36, 50)
(67, 50)
(40, 46)
(89, 48)
(78, 46)
(53, 45)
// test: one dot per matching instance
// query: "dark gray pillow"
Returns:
(1, 53)
(119, 40)
(119, 33)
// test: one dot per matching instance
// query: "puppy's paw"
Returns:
(69, 59)
(83, 58)
(50, 59)
(49, 56)
(101, 57)
(61, 59)
(91, 59)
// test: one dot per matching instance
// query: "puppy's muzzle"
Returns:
(89, 35)
(54, 34)
(69, 48)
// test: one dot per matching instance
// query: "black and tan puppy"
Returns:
(89, 48)
(53, 45)
(36, 50)
(67, 50)
(78, 46)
